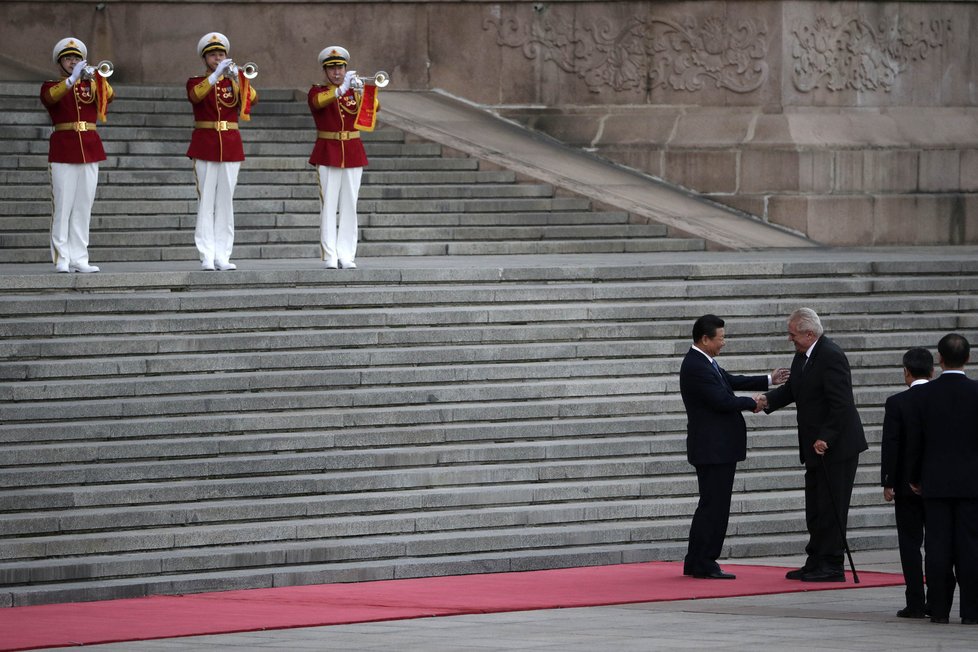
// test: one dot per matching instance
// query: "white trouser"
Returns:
(73, 186)
(215, 214)
(338, 188)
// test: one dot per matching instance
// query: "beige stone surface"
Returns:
(705, 171)
(919, 220)
(840, 220)
(939, 170)
(969, 170)
(468, 129)
(789, 211)
(769, 170)
(893, 170)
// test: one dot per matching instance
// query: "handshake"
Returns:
(778, 376)
(761, 401)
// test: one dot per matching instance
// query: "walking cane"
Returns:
(838, 520)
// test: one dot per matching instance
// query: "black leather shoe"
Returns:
(715, 575)
(969, 621)
(908, 612)
(824, 576)
(797, 573)
(940, 621)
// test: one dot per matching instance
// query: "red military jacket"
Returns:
(336, 116)
(213, 104)
(78, 107)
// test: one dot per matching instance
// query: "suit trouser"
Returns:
(826, 547)
(214, 234)
(339, 189)
(909, 510)
(951, 548)
(73, 188)
(709, 526)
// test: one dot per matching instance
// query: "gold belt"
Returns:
(75, 126)
(338, 135)
(220, 125)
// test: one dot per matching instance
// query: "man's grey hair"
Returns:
(806, 319)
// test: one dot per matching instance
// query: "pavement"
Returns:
(839, 619)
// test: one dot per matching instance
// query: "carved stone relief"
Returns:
(645, 53)
(848, 53)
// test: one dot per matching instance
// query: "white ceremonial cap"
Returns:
(66, 46)
(334, 54)
(213, 41)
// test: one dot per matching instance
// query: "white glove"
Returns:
(221, 68)
(76, 73)
(347, 82)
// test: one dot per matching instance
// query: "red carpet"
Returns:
(86, 623)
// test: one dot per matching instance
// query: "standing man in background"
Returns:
(942, 465)
(716, 439)
(75, 150)
(830, 436)
(219, 98)
(918, 368)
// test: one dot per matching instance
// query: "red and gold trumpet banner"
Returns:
(367, 115)
(101, 97)
(245, 85)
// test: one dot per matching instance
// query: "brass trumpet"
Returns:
(104, 68)
(250, 70)
(379, 79)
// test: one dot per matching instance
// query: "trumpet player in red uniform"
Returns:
(75, 150)
(341, 110)
(219, 98)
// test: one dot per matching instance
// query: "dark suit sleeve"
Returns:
(837, 390)
(913, 456)
(700, 384)
(741, 383)
(889, 446)
(781, 396)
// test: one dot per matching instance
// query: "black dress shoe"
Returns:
(909, 612)
(824, 576)
(939, 620)
(715, 575)
(797, 573)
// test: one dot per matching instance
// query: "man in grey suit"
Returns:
(942, 459)
(830, 439)
(716, 440)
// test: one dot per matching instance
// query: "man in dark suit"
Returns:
(830, 436)
(918, 367)
(942, 459)
(716, 440)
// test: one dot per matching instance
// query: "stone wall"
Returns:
(852, 122)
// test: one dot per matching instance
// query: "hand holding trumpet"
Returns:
(250, 69)
(103, 68)
(379, 79)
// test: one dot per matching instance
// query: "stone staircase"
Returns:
(174, 432)
(417, 197)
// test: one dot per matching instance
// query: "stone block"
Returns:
(939, 170)
(792, 171)
(703, 171)
(969, 171)
(891, 171)
(918, 220)
(704, 128)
